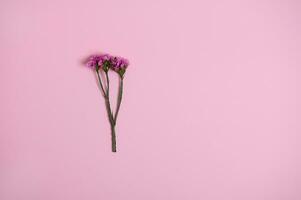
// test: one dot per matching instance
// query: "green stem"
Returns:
(111, 120)
(119, 98)
(101, 86)
(108, 108)
(108, 84)
(113, 134)
(108, 96)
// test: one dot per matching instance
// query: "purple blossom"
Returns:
(93, 61)
(103, 58)
(119, 63)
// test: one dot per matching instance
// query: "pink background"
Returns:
(211, 108)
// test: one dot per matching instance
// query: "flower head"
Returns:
(119, 65)
(103, 58)
(93, 61)
(106, 62)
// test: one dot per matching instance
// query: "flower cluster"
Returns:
(106, 62)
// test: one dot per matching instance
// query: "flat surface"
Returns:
(211, 106)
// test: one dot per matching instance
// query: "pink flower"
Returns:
(93, 61)
(119, 63)
(103, 58)
(106, 62)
